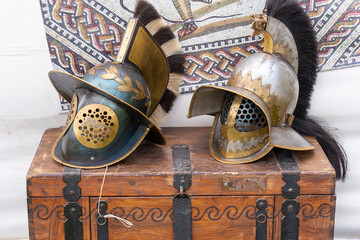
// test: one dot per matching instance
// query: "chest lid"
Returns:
(150, 171)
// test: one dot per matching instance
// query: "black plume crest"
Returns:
(297, 21)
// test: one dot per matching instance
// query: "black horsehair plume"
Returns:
(297, 21)
(170, 45)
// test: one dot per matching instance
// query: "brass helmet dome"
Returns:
(254, 111)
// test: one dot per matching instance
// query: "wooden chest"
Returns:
(286, 195)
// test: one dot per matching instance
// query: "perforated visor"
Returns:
(66, 84)
(249, 116)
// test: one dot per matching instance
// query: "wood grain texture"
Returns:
(46, 218)
(148, 171)
(150, 216)
(227, 218)
(212, 218)
(316, 217)
(316, 171)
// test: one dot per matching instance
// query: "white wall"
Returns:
(29, 105)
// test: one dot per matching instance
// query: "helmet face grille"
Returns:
(229, 98)
(249, 117)
(96, 126)
(241, 128)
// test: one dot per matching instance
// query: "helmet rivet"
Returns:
(92, 158)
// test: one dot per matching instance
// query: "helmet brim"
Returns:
(119, 155)
(208, 100)
(286, 137)
(65, 84)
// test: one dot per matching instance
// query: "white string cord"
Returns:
(125, 222)
(101, 189)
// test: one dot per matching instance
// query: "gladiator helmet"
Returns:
(254, 111)
(118, 104)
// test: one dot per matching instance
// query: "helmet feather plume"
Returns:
(293, 16)
(166, 39)
(296, 20)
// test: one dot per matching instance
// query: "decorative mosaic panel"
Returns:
(215, 34)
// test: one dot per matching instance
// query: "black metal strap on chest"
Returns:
(261, 219)
(72, 209)
(181, 201)
(102, 223)
(290, 191)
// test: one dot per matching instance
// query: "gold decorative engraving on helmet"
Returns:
(72, 112)
(285, 51)
(259, 26)
(126, 84)
(277, 38)
(259, 23)
(263, 91)
(92, 70)
(96, 126)
(289, 119)
(236, 144)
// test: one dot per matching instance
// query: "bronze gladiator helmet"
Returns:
(118, 104)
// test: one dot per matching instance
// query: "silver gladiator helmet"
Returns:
(254, 111)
